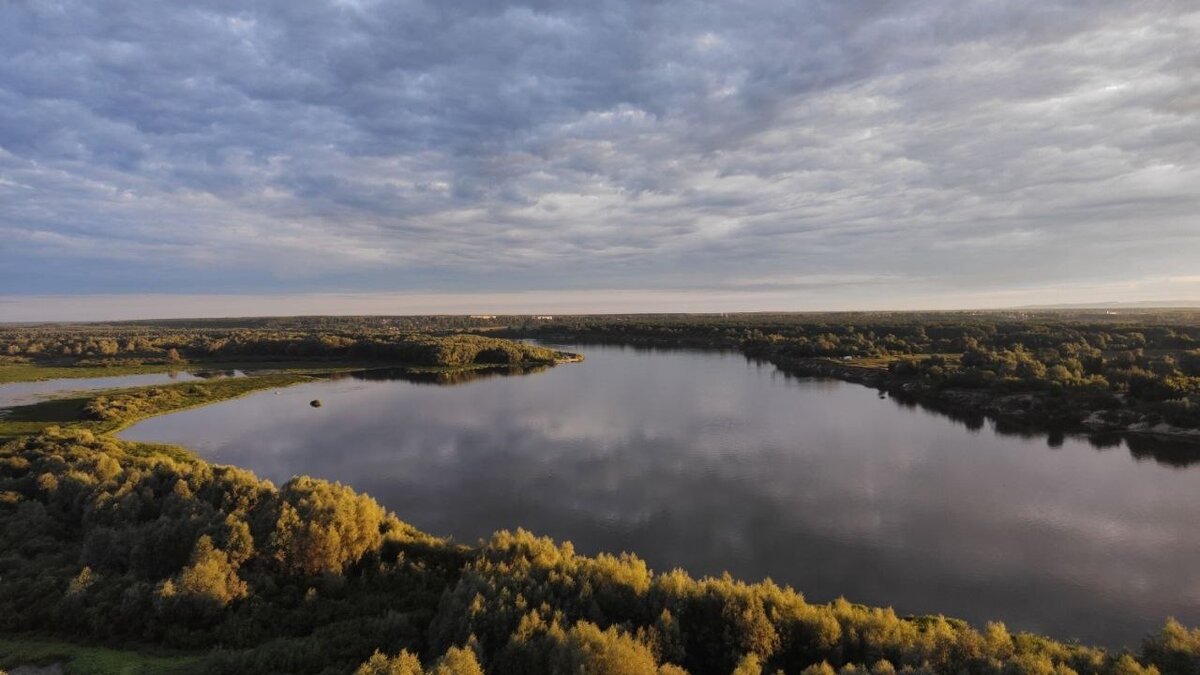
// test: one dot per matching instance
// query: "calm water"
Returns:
(710, 462)
(24, 393)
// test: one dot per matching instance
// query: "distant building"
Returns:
(483, 316)
(544, 317)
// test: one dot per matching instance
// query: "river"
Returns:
(711, 462)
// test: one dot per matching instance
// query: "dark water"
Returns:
(24, 393)
(710, 462)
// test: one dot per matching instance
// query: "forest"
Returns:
(127, 545)
(114, 347)
(272, 358)
(148, 549)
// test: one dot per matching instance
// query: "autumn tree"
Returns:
(404, 663)
(211, 577)
(324, 527)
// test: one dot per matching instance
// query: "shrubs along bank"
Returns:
(124, 544)
(1134, 372)
(100, 346)
(270, 360)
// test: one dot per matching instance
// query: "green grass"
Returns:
(149, 401)
(159, 400)
(138, 403)
(81, 660)
(34, 372)
(34, 418)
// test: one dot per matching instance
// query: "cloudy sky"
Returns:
(232, 157)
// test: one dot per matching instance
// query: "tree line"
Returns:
(98, 345)
(129, 544)
(1118, 371)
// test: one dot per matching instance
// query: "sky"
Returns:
(221, 158)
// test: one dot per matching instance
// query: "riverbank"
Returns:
(1040, 406)
(108, 411)
(1037, 411)
(11, 373)
(41, 372)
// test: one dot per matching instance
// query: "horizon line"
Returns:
(114, 308)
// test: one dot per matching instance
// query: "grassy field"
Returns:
(133, 404)
(31, 372)
(80, 660)
(31, 419)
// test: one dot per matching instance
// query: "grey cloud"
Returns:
(360, 145)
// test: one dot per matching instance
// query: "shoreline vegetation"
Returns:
(44, 353)
(130, 557)
(1134, 374)
(269, 359)
(149, 550)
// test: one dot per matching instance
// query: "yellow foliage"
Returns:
(211, 576)
(403, 663)
(457, 661)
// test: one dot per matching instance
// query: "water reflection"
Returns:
(713, 462)
(1170, 453)
(1167, 452)
(217, 374)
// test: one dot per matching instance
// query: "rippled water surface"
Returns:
(710, 462)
